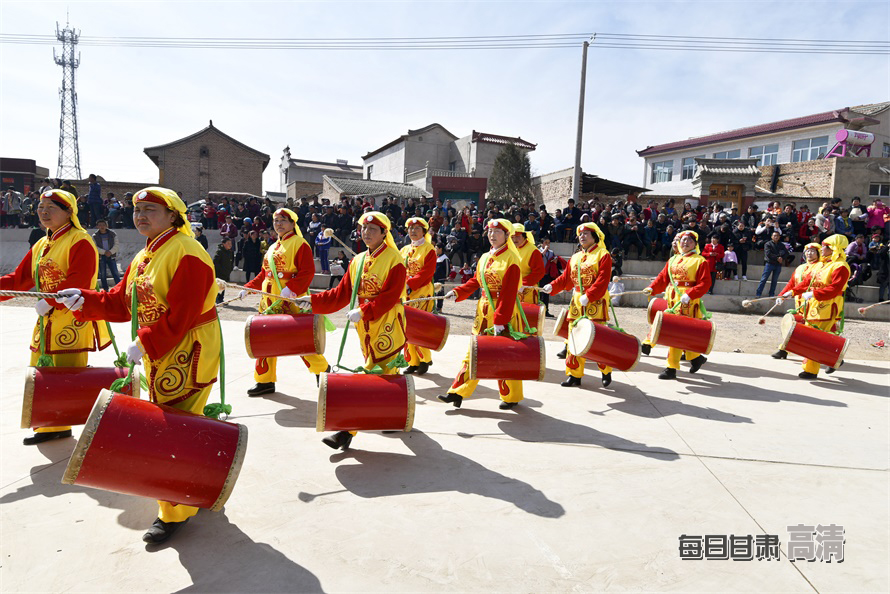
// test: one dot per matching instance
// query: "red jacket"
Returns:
(713, 254)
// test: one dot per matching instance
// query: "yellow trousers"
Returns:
(265, 369)
(510, 390)
(826, 326)
(60, 360)
(673, 361)
(416, 354)
(575, 366)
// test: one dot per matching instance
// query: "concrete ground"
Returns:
(576, 490)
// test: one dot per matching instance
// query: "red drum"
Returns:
(502, 358)
(60, 396)
(426, 329)
(561, 329)
(135, 447)
(604, 345)
(365, 402)
(281, 335)
(689, 334)
(812, 343)
(655, 305)
(534, 313)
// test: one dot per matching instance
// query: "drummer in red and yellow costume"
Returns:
(65, 258)
(685, 279)
(499, 270)
(288, 270)
(531, 263)
(824, 298)
(588, 275)
(178, 337)
(647, 344)
(799, 283)
(420, 261)
(378, 314)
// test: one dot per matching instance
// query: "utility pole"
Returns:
(576, 177)
(69, 149)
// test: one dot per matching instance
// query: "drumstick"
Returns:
(762, 319)
(420, 299)
(862, 310)
(293, 300)
(31, 294)
(640, 292)
(330, 233)
(748, 302)
(307, 497)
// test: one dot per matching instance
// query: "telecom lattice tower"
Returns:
(69, 149)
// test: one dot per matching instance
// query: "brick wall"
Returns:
(297, 190)
(807, 179)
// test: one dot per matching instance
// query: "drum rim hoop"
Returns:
(650, 316)
(842, 354)
(559, 319)
(787, 329)
(712, 339)
(541, 318)
(542, 364)
(590, 340)
(447, 333)
(28, 396)
(320, 335)
(409, 383)
(234, 469)
(321, 410)
(247, 336)
(656, 327)
(474, 355)
(81, 449)
(639, 353)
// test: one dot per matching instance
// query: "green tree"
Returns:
(511, 177)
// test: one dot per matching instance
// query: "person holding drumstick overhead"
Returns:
(373, 287)
(171, 285)
(420, 261)
(588, 274)
(65, 257)
(685, 279)
(799, 283)
(531, 263)
(498, 274)
(288, 270)
(824, 298)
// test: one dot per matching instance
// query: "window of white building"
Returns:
(689, 167)
(663, 171)
(736, 154)
(765, 155)
(809, 149)
(879, 190)
(370, 171)
(886, 152)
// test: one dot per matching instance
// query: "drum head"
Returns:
(788, 325)
(560, 320)
(656, 327)
(581, 337)
(86, 437)
(247, 336)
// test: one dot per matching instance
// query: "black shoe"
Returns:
(832, 369)
(262, 388)
(807, 375)
(697, 363)
(451, 397)
(667, 374)
(571, 381)
(547, 314)
(411, 369)
(780, 354)
(645, 348)
(41, 437)
(682, 356)
(423, 367)
(561, 354)
(607, 379)
(339, 440)
(161, 531)
(508, 405)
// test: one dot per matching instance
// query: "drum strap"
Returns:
(705, 314)
(43, 360)
(119, 384)
(360, 266)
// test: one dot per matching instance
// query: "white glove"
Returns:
(647, 290)
(43, 308)
(498, 328)
(584, 300)
(242, 294)
(72, 298)
(135, 352)
(788, 294)
(451, 296)
(354, 315)
(807, 296)
(779, 300)
(287, 293)
(547, 289)
(221, 285)
(685, 299)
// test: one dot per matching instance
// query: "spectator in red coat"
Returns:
(713, 253)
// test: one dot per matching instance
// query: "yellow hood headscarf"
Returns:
(68, 199)
(814, 246)
(167, 198)
(422, 223)
(601, 238)
(520, 228)
(694, 236)
(378, 218)
(293, 217)
(838, 244)
(507, 227)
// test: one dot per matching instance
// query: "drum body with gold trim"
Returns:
(681, 332)
(151, 450)
(604, 345)
(814, 344)
(655, 305)
(534, 314)
(503, 358)
(365, 402)
(61, 396)
(282, 335)
(425, 329)
(561, 329)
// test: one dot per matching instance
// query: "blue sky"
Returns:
(340, 104)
